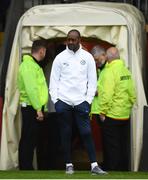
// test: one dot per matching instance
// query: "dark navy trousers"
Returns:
(80, 114)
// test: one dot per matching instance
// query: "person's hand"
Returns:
(40, 116)
(102, 117)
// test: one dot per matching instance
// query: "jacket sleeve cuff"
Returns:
(46, 108)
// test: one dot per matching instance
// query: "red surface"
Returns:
(97, 134)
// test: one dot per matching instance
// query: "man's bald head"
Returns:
(112, 53)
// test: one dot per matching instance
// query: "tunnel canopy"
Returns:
(119, 24)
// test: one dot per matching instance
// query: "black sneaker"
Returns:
(69, 170)
(98, 170)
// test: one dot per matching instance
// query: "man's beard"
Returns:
(73, 47)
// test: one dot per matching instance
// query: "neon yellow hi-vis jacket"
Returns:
(32, 84)
(116, 91)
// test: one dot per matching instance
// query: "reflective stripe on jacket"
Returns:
(116, 91)
(32, 83)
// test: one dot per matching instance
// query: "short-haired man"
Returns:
(72, 88)
(33, 99)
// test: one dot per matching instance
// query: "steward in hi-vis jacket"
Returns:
(33, 99)
(116, 96)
